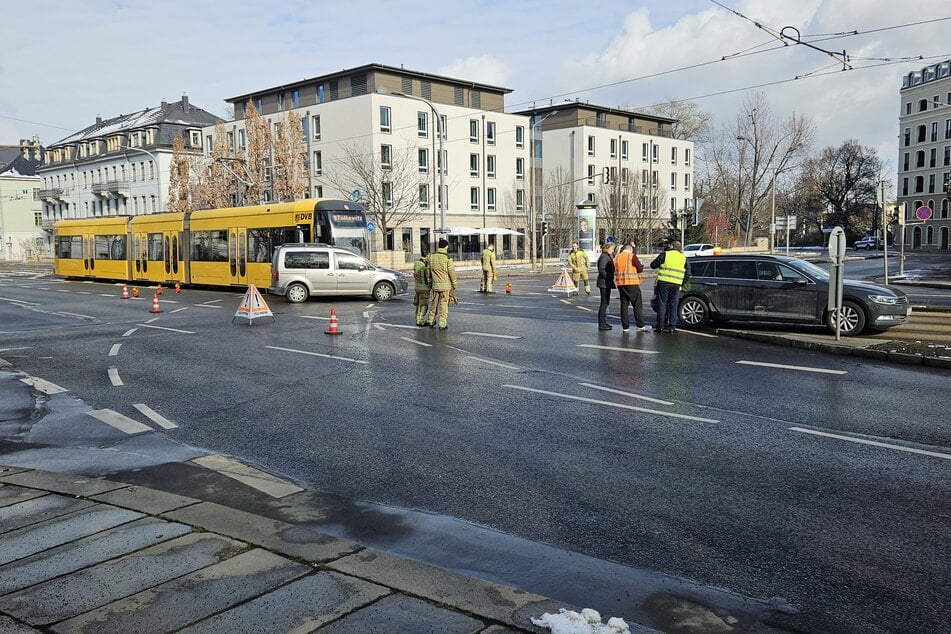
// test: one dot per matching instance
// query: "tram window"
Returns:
(209, 246)
(201, 251)
(70, 247)
(110, 247)
(219, 246)
(155, 249)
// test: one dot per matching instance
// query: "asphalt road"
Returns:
(817, 492)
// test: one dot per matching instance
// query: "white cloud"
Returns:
(484, 69)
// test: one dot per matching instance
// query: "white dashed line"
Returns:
(588, 345)
(315, 317)
(800, 368)
(43, 386)
(629, 394)
(114, 350)
(151, 320)
(388, 325)
(501, 365)
(264, 482)
(486, 334)
(156, 418)
(874, 443)
(185, 332)
(318, 354)
(114, 377)
(610, 404)
(585, 308)
(120, 422)
(129, 332)
(178, 310)
(418, 343)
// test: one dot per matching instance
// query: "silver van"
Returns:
(300, 271)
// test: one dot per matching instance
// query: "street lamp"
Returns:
(158, 173)
(440, 162)
(533, 186)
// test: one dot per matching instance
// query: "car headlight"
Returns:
(883, 299)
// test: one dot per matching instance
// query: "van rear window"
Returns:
(307, 260)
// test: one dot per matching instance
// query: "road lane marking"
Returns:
(379, 327)
(486, 334)
(156, 418)
(418, 343)
(389, 325)
(120, 422)
(800, 368)
(114, 377)
(366, 314)
(874, 443)
(43, 386)
(584, 308)
(101, 294)
(255, 478)
(318, 354)
(84, 292)
(129, 332)
(315, 317)
(19, 301)
(618, 349)
(632, 408)
(695, 333)
(564, 301)
(80, 315)
(16, 348)
(501, 365)
(370, 305)
(114, 350)
(210, 301)
(178, 310)
(151, 320)
(185, 332)
(207, 306)
(629, 394)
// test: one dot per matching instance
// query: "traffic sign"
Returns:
(837, 244)
(355, 195)
(370, 226)
(923, 213)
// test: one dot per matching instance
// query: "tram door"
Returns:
(171, 255)
(140, 256)
(89, 254)
(238, 255)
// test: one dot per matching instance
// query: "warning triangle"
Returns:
(252, 306)
(564, 283)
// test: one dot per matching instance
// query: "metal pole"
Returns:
(158, 173)
(881, 199)
(901, 258)
(440, 163)
(772, 217)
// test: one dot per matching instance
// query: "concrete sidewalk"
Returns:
(91, 555)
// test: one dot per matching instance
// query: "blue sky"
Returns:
(62, 63)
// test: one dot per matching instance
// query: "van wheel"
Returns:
(383, 291)
(852, 319)
(694, 312)
(297, 293)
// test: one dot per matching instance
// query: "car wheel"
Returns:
(852, 319)
(868, 247)
(383, 291)
(694, 312)
(297, 293)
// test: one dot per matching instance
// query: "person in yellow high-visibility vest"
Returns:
(488, 268)
(672, 271)
(578, 261)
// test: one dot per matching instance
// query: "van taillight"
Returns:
(274, 276)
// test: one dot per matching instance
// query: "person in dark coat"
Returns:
(605, 283)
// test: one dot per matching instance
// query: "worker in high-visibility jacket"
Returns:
(488, 268)
(579, 263)
(423, 285)
(672, 271)
(627, 278)
(442, 273)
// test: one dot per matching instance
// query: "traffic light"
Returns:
(544, 227)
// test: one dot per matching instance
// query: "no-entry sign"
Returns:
(923, 213)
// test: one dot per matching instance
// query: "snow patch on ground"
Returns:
(588, 622)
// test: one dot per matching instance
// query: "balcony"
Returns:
(53, 194)
(111, 189)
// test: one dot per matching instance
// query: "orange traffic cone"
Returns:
(135, 292)
(125, 291)
(155, 305)
(508, 288)
(333, 324)
(178, 287)
(159, 289)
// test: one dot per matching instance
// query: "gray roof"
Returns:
(180, 113)
(12, 161)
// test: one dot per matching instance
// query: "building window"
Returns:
(490, 198)
(922, 133)
(623, 150)
(490, 166)
(908, 108)
(422, 124)
(443, 126)
(947, 128)
(386, 157)
(922, 105)
(259, 105)
(591, 174)
(673, 180)
(519, 199)
(303, 129)
(315, 124)
(473, 165)
(673, 156)
(625, 175)
(612, 151)
(655, 176)
(590, 145)
(280, 102)
(904, 187)
(385, 121)
(643, 151)
(907, 137)
(519, 136)
(423, 161)
(919, 184)
(242, 139)
(318, 164)
(318, 191)
(424, 196)
(931, 181)
(934, 157)
(519, 169)
(920, 158)
(320, 98)
(687, 182)
(295, 98)
(473, 131)
(687, 157)
(905, 162)
(934, 131)
(387, 191)
(947, 155)
(490, 132)
(655, 151)
(474, 198)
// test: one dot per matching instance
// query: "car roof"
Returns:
(746, 256)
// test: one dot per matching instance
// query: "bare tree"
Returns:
(256, 154)
(179, 178)
(846, 179)
(289, 158)
(389, 180)
(216, 183)
(691, 123)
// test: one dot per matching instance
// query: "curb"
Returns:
(902, 358)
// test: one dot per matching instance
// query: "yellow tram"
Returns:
(214, 247)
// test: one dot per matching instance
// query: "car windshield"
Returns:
(810, 269)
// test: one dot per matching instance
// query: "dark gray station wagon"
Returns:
(781, 288)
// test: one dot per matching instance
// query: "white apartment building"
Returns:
(606, 151)
(362, 112)
(924, 162)
(118, 166)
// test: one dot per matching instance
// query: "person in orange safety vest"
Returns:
(627, 277)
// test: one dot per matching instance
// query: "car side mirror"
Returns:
(800, 282)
